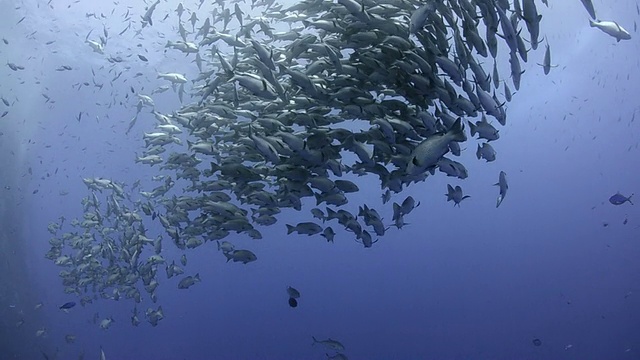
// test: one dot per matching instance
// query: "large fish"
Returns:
(611, 28)
(426, 155)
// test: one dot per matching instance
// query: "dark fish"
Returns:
(143, 58)
(537, 342)
(293, 302)
(588, 5)
(68, 305)
(619, 199)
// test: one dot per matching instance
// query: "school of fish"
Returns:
(292, 120)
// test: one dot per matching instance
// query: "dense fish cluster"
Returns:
(291, 120)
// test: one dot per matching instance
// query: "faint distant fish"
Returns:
(619, 199)
(293, 295)
(330, 343)
(68, 305)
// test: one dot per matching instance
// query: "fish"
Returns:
(426, 155)
(293, 293)
(188, 281)
(293, 296)
(307, 228)
(328, 233)
(243, 256)
(619, 199)
(502, 184)
(588, 5)
(67, 305)
(329, 343)
(611, 28)
(147, 17)
(455, 195)
(96, 46)
(419, 16)
(486, 152)
(106, 323)
(532, 20)
(173, 77)
(484, 130)
(546, 63)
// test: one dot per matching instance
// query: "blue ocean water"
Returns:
(550, 274)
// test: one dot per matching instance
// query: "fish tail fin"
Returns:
(314, 340)
(228, 256)
(629, 199)
(457, 131)
(473, 128)
(290, 229)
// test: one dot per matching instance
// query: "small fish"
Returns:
(619, 199)
(293, 295)
(41, 332)
(243, 256)
(486, 152)
(188, 281)
(455, 194)
(67, 305)
(502, 183)
(546, 63)
(330, 343)
(307, 228)
(106, 323)
(143, 58)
